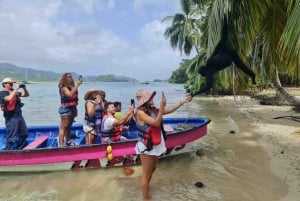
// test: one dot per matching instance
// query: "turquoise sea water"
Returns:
(230, 170)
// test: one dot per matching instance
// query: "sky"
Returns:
(90, 37)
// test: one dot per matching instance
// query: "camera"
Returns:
(22, 85)
(80, 77)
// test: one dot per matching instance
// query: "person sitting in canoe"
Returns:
(118, 114)
(111, 128)
(94, 109)
(118, 108)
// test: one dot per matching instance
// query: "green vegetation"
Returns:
(198, 28)
(265, 33)
(179, 76)
(19, 75)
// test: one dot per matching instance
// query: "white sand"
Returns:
(280, 139)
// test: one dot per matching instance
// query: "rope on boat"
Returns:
(184, 126)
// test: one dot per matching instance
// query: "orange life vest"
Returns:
(10, 105)
(69, 101)
(114, 134)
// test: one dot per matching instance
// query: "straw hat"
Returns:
(8, 80)
(144, 96)
(91, 91)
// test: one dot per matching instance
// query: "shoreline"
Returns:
(279, 138)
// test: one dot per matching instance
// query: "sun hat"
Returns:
(91, 91)
(144, 96)
(8, 79)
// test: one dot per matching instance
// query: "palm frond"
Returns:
(289, 44)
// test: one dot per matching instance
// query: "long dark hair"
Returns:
(148, 109)
(63, 82)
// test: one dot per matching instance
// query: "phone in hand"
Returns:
(22, 85)
(132, 102)
(80, 77)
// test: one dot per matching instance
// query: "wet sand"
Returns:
(280, 138)
(259, 161)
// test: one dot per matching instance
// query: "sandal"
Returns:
(70, 143)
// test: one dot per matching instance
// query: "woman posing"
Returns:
(68, 91)
(149, 119)
(94, 109)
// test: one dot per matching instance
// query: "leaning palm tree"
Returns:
(277, 23)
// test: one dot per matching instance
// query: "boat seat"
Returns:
(168, 128)
(37, 142)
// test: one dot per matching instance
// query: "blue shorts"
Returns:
(67, 111)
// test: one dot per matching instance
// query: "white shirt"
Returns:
(108, 123)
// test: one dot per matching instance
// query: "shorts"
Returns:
(89, 129)
(67, 111)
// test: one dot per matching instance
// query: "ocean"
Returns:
(230, 170)
(41, 107)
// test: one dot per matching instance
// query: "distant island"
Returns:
(29, 75)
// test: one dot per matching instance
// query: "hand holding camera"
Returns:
(80, 80)
(22, 86)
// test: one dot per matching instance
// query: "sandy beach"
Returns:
(248, 155)
(280, 138)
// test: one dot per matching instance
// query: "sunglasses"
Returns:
(8, 83)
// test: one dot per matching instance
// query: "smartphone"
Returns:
(132, 102)
(80, 77)
(22, 85)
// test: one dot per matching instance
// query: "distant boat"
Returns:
(26, 79)
(27, 82)
(145, 82)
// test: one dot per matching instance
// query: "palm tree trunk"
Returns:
(282, 93)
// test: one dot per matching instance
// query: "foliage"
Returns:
(265, 33)
(179, 76)
(19, 74)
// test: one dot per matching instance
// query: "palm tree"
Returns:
(184, 33)
(270, 22)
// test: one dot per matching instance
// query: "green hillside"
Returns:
(19, 74)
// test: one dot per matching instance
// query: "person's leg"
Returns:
(148, 169)
(11, 133)
(62, 129)
(23, 133)
(87, 138)
(155, 161)
(69, 123)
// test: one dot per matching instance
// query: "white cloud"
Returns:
(40, 35)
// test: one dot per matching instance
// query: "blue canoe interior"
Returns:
(46, 136)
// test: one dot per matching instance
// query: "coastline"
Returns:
(280, 138)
